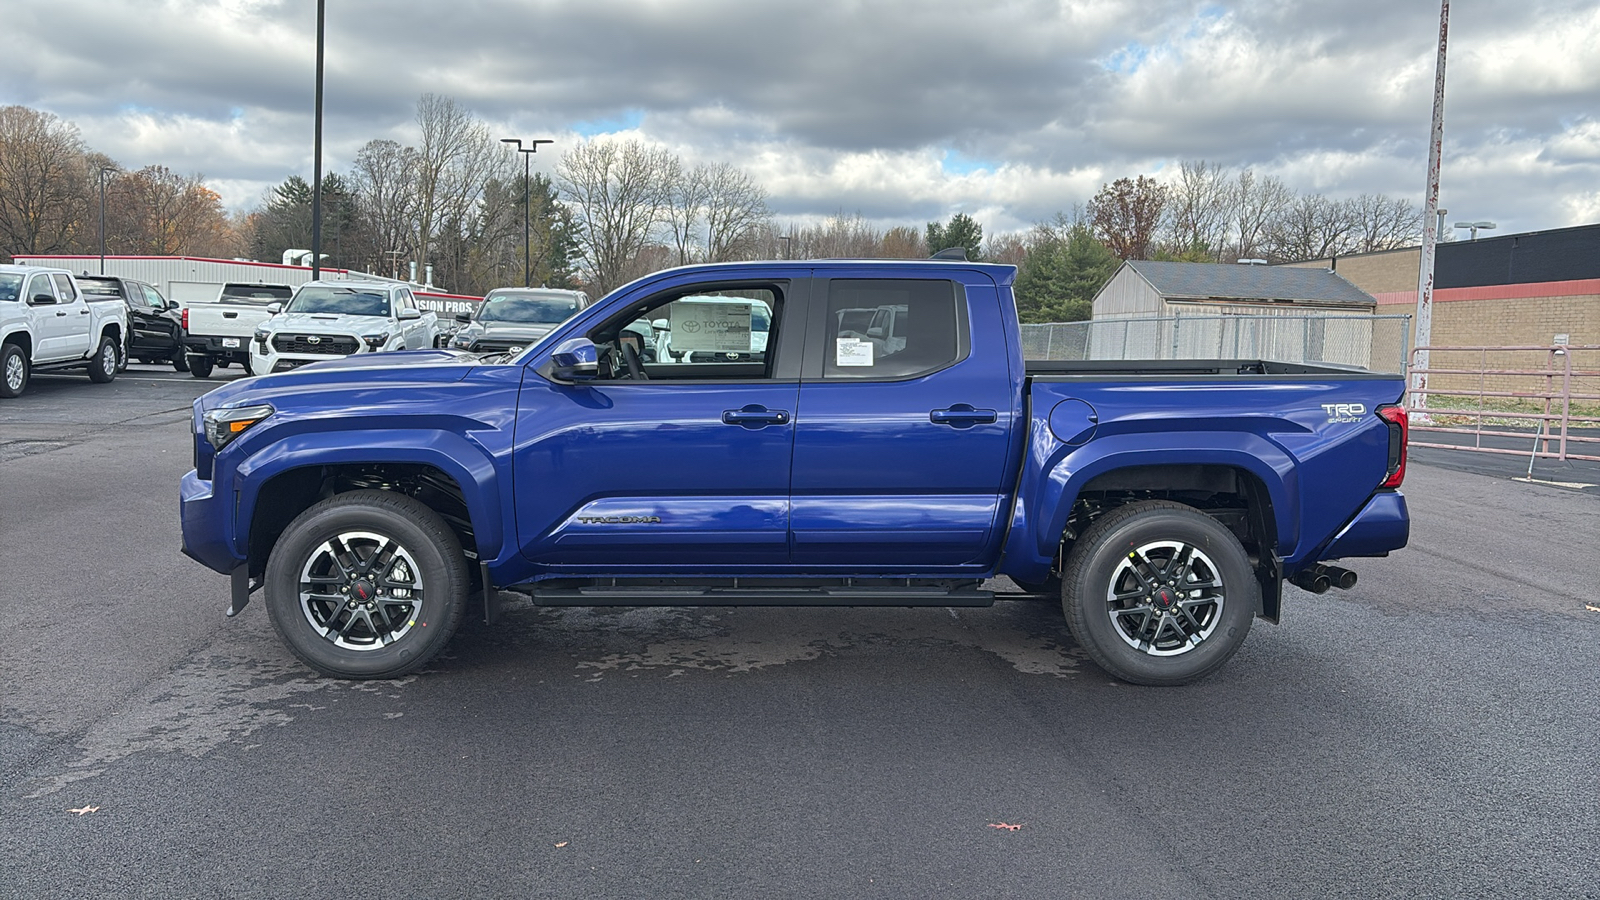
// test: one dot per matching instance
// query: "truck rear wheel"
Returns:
(13, 371)
(1159, 593)
(103, 367)
(367, 584)
(180, 360)
(199, 366)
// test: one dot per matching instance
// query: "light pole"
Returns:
(1442, 213)
(788, 242)
(1474, 226)
(103, 171)
(316, 165)
(1423, 336)
(527, 154)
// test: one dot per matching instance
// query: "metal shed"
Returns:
(1178, 310)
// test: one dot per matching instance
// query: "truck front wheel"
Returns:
(103, 367)
(1159, 593)
(13, 371)
(366, 584)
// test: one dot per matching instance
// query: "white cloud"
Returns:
(839, 106)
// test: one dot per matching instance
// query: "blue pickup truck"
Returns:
(837, 433)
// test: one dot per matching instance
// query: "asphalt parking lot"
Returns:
(1431, 733)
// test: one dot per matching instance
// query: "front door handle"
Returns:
(962, 416)
(755, 416)
(60, 314)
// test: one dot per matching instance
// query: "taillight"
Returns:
(1399, 436)
(185, 318)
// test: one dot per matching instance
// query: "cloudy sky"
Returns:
(1008, 110)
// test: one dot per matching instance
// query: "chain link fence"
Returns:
(1372, 342)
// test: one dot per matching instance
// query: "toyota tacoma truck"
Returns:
(327, 319)
(1162, 503)
(48, 323)
(218, 333)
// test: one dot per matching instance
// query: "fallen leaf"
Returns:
(1004, 826)
(86, 809)
(562, 844)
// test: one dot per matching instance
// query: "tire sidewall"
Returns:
(9, 351)
(99, 372)
(200, 366)
(445, 586)
(1089, 578)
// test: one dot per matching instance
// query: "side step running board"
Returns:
(757, 596)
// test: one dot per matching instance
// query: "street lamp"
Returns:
(527, 152)
(1439, 227)
(1474, 226)
(103, 171)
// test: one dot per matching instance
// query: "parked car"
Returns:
(155, 324)
(509, 319)
(47, 323)
(329, 319)
(1161, 503)
(218, 333)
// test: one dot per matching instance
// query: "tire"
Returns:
(14, 371)
(334, 551)
(224, 363)
(103, 367)
(1159, 593)
(199, 366)
(180, 360)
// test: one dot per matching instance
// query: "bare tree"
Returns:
(43, 182)
(1311, 227)
(619, 191)
(904, 242)
(456, 155)
(1255, 203)
(384, 179)
(1383, 223)
(1199, 209)
(1126, 213)
(686, 191)
(736, 208)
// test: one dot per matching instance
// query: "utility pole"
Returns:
(316, 165)
(1430, 223)
(103, 171)
(527, 154)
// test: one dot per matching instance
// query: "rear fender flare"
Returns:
(1058, 490)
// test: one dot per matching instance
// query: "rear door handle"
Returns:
(755, 416)
(962, 416)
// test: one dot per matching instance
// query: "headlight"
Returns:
(223, 425)
(263, 333)
(374, 341)
(463, 342)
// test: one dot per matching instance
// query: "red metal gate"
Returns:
(1484, 392)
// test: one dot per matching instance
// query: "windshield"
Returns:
(531, 310)
(339, 301)
(10, 286)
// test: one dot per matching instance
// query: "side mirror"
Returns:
(407, 315)
(463, 318)
(172, 304)
(274, 308)
(42, 300)
(661, 325)
(575, 360)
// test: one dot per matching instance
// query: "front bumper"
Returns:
(207, 519)
(1384, 524)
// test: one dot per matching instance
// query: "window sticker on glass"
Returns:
(852, 352)
(721, 327)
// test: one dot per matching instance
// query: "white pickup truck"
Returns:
(219, 332)
(47, 323)
(330, 319)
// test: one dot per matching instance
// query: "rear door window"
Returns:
(884, 329)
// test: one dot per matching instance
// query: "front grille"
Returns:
(483, 345)
(326, 344)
